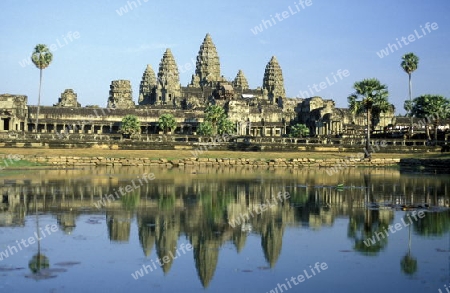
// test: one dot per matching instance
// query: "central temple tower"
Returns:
(168, 90)
(207, 71)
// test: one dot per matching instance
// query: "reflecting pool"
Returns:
(142, 229)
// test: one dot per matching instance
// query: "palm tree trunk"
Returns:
(436, 123)
(39, 100)
(37, 225)
(409, 240)
(367, 152)
(410, 101)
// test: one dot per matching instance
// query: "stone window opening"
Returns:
(6, 124)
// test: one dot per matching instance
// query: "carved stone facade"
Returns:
(207, 71)
(68, 99)
(147, 89)
(120, 95)
(240, 81)
(264, 111)
(168, 90)
(13, 113)
(273, 82)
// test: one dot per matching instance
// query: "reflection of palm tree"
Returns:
(39, 261)
(409, 263)
(365, 226)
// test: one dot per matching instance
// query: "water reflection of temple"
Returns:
(199, 206)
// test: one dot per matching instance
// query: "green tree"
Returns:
(41, 57)
(214, 114)
(167, 122)
(205, 128)
(130, 126)
(299, 130)
(217, 117)
(225, 126)
(435, 106)
(373, 97)
(409, 64)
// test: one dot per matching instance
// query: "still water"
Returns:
(294, 230)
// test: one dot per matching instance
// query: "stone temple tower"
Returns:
(240, 81)
(120, 95)
(147, 87)
(68, 99)
(207, 71)
(168, 91)
(273, 83)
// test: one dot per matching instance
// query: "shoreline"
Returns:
(332, 166)
(33, 159)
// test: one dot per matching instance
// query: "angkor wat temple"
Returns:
(264, 111)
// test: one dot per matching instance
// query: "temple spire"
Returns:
(148, 84)
(207, 71)
(240, 81)
(168, 83)
(273, 83)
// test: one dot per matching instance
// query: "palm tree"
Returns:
(41, 57)
(409, 65)
(167, 121)
(214, 114)
(373, 97)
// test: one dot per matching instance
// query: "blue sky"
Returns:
(311, 43)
